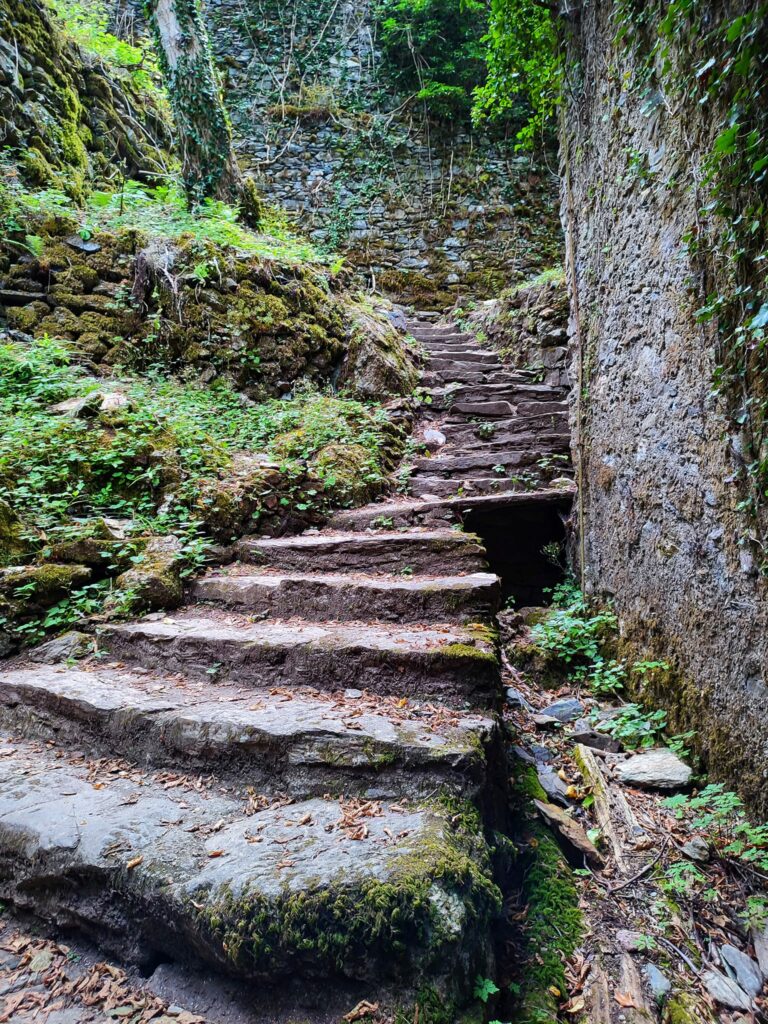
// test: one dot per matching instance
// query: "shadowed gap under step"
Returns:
(525, 546)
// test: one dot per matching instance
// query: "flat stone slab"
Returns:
(724, 990)
(421, 551)
(460, 486)
(155, 870)
(654, 769)
(297, 742)
(452, 662)
(339, 597)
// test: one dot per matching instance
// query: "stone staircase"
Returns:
(489, 430)
(292, 780)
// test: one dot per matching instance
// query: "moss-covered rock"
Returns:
(378, 362)
(12, 542)
(155, 581)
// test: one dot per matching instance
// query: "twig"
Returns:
(643, 871)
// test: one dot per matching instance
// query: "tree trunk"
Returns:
(204, 137)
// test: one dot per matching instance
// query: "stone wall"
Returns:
(426, 211)
(663, 535)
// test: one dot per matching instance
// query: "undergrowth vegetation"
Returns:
(168, 437)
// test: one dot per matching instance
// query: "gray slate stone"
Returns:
(760, 939)
(584, 733)
(696, 849)
(658, 983)
(743, 968)
(654, 769)
(724, 990)
(566, 710)
(553, 785)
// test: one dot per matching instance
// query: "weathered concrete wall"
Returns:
(427, 211)
(663, 537)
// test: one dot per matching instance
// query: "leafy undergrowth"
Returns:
(166, 456)
(159, 212)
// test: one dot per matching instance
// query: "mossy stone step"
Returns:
(463, 431)
(460, 465)
(326, 888)
(297, 741)
(416, 551)
(453, 663)
(339, 597)
(470, 486)
(457, 357)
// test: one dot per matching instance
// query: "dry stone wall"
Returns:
(663, 536)
(426, 211)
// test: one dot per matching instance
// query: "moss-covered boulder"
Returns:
(12, 543)
(155, 581)
(379, 362)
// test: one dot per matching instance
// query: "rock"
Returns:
(746, 972)
(515, 699)
(433, 438)
(43, 585)
(12, 544)
(570, 830)
(724, 990)
(696, 849)
(97, 544)
(654, 769)
(82, 405)
(155, 582)
(553, 785)
(523, 755)
(545, 721)
(760, 939)
(584, 733)
(82, 244)
(565, 710)
(629, 941)
(73, 644)
(658, 983)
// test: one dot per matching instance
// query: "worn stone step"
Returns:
(514, 392)
(470, 432)
(550, 442)
(450, 662)
(445, 487)
(460, 465)
(438, 358)
(296, 741)
(421, 552)
(408, 511)
(153, 871)
(339, 597)
(440, 334)
(450, 375)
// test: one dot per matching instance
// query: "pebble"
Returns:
(515, 699)
(545, 721)
(658, 983)
(724, 990)
(565, 710)
(748, 974)
(628, 940)
(352, 694)
(655, 769)
(696, 849)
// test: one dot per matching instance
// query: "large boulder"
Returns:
(379, 362)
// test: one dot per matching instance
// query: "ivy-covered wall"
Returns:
(425, 209)
(661, 412)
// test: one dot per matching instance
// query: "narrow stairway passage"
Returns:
(292, 778)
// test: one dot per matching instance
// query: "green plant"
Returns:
(720, 814)
(484, 988)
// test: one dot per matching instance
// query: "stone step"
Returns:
(451, 375)
(551, 442)
(155, 870)
(338, 598)
(453, 663)
(445, 487)
(515, 392)
(468, 432)
(295, 741)
(421, 552)
(439, 359)
(410, 511)
(427, 334)
(461, 465)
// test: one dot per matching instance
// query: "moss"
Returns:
(367, 926)
(683, 1008)
(25, 318)
(12, 543)
(468, 651)
(553, 928)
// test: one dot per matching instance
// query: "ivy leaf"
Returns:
(726, 141)
(705, 67)
(760, 319)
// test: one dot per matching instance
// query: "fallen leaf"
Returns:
(134, 862)
(363, 1009)
(215, 853)
(626, 1001)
